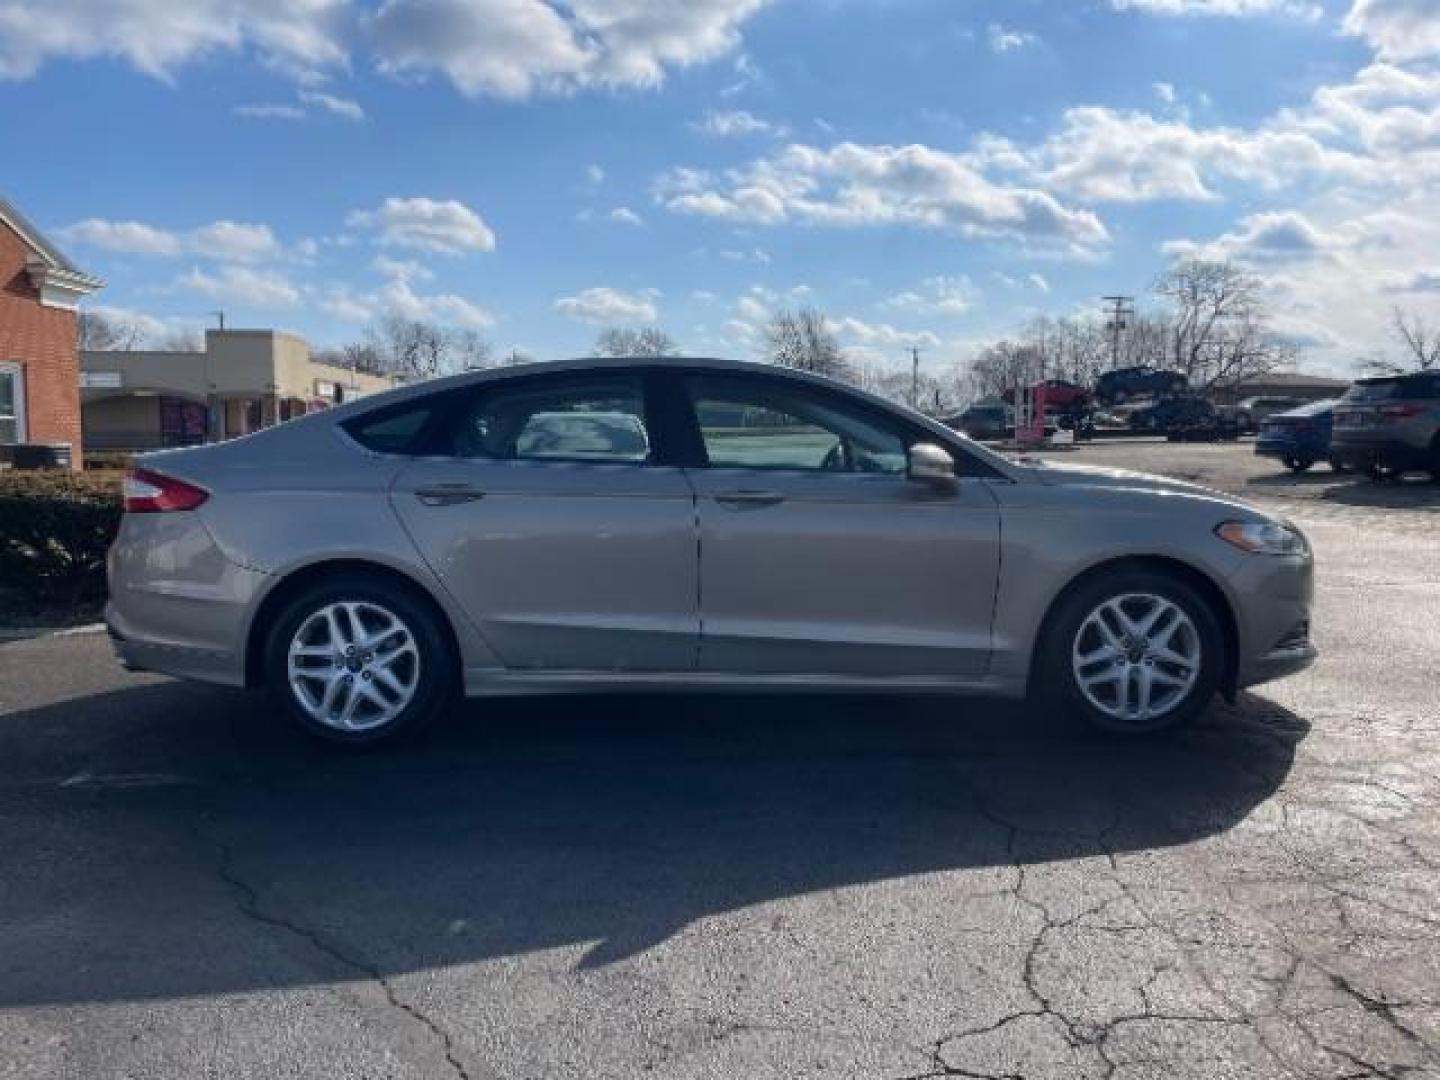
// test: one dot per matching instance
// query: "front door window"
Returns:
(12, 403)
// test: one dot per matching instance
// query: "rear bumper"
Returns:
(182, 661)
(1363, 453)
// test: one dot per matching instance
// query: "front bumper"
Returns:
(1274, 597)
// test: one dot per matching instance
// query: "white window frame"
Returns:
(17, 370)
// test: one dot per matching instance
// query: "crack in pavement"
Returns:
(250, 907)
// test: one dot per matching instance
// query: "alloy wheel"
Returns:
(1136, 658)
(353, 666)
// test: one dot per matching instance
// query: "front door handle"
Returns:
(749, 500)
(448, 494)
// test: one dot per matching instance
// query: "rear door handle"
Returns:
(448, 494)
(749, 500)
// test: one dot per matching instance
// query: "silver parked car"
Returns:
(688, 524)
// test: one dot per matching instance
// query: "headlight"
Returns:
(1264, 538)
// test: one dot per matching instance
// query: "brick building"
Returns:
(39, 361)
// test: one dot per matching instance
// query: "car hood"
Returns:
(1071, 475)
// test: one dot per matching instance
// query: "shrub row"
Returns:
(55, 528)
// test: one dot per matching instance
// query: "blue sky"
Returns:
(928, 172)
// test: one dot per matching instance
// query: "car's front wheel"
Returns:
(1298, 464)
(1134, 652)
(356, 661)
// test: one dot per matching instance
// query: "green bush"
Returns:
(55, 528)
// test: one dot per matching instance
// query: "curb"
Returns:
(25, 633)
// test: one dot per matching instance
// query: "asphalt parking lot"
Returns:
(749, 887)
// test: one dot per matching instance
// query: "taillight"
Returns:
(1401, 412)
(149, 492)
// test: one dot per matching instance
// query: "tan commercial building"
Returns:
(243, 381)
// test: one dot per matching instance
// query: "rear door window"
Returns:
(597, 419)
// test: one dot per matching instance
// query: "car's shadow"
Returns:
(1414, 491)
(170, 840)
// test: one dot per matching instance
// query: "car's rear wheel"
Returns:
(1338, 465)
(1298, 464)
(1134, 652)
(359, 662)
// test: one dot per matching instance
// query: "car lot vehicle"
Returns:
(779, 531)
(1189, 419)
(1254, 411)
(1126, 384)
(1300, 437)
(984, 422)
(1390, 425)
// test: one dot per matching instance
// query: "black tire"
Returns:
(436, 673)
(1338, 465)
(1298, 464)
(1055, 686)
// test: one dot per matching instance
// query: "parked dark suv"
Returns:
(1123, 384)
(1390, 425)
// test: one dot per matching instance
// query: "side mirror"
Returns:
(930, 464)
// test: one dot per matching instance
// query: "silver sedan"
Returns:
(691, 524)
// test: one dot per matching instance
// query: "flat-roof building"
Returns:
(244, 380)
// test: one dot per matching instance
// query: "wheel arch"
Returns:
(303, 577)
(1191, 575)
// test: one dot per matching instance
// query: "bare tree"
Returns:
(650, 342)
(98, 332)
(182, 341)
(803, 340)
(1003, 367)
(1217, 326)
(1420, 341)
(472, 351)
(412, 348)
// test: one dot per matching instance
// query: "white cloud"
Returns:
(1221, 8)
(1106, 155)
(1038, 280)
(1165, 92)
(850, 329)
(516, 48)
(158, 36)
(243, 285)
(594, 175)
(229, 241)
(607, 305)
(1280, 236)
(852, 185)
(445, 226)
(1002, 39)
(269, 112)
(398, 297)
(403, 269)
(233, 241)
(127, 237)
(1399, 30)
(623, 215)
(937, 295)
(738, 122)
(447, 309)
(338, 106)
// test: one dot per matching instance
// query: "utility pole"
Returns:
(915, 378)
(1121, 309)
(219, 315)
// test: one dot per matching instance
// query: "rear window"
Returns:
(394, 431)
(1399, 387)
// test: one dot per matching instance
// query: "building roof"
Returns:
(1295, 380)
(41, 244)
